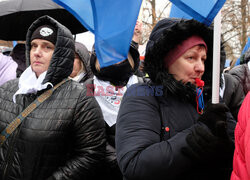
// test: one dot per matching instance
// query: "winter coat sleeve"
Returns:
(88, 136)
(242, 72)
(140, 152)
(234, 94)
(7, 68)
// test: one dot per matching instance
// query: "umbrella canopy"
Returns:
(17, 15)
(112, 22)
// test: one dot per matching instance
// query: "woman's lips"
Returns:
(37, 62)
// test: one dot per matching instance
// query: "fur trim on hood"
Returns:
(165, 36)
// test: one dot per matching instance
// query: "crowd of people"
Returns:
(62, 116)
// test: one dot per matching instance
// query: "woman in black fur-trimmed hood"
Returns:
(161, 130)
(167, 35)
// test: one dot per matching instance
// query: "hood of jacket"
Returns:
(165, 36)
(61, 64)
(84, 55)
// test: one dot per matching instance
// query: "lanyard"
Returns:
(18, 120)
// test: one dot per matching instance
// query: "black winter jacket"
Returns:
(154, 119)
(151, 132)
(110, 169)
(64, 137)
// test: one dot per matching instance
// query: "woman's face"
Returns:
(77, 66)
(40, 55)
(189, 65)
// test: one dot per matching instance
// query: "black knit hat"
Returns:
(46, 32)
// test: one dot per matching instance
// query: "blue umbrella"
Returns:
(203, 11)
(112, 22)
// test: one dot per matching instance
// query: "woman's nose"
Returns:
(37, 51)
(199, 66)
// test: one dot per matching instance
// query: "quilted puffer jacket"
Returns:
(64, 137)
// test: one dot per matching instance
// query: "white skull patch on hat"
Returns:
(46, 31)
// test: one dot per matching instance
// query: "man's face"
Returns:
(40, 55)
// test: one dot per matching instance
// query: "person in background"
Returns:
(7, 68)
(241, 161)
(64, 136)
(231, 89)
(136, 41)
(81, 69)
(6, 51)
(163, 131)
(108, 86)
(137, 34)
(18, 55)
(242, 71)
(140, 72)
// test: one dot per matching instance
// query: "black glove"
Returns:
(215, 118)
(205, 146)
(201, 143)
